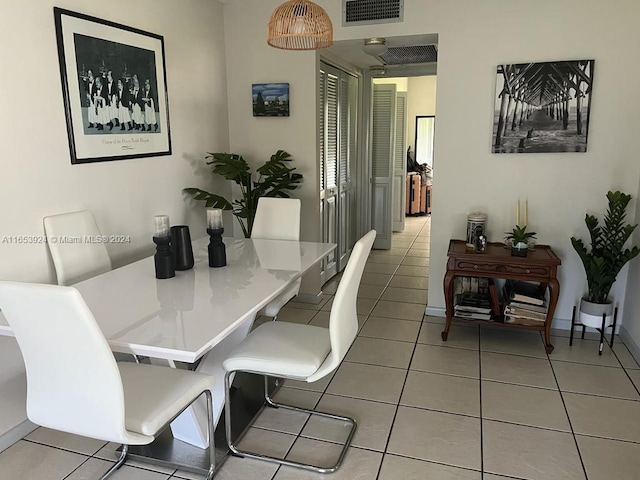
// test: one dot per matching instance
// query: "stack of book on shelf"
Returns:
(525, 303)
(475, 299)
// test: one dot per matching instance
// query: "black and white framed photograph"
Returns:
(114, 87)
(542, 107)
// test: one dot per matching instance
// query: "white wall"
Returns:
(474, 37)
(37, 176)
(631, 327)
(250, 60)
(402, 84)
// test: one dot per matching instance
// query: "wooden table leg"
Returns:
(448, 300)
(554, 293)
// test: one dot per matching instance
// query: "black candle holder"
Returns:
(217, 250)
(163, 259)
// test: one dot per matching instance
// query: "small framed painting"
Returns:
(270, 99)
(114, 88)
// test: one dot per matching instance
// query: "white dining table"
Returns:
(197, 316)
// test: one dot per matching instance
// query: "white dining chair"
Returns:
(302, 352)
(278, 219)
(77, 247)
(74, 384)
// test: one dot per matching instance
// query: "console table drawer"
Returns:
(533, 270)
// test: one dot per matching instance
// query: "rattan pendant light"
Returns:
(300, 25)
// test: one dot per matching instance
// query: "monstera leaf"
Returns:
(274, 179)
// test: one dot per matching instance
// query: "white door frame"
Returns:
(364, 176)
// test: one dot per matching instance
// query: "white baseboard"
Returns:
(633, 347)
(435, 311)
(565, 324)
(309, 298)
(16, 433)
(558, 323)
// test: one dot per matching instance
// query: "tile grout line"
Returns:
(324, 391)
(406, 376)
(480, 393)
(566, 411)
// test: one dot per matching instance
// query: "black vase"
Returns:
(181, 247)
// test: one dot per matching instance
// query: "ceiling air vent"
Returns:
(410, 54)
(364, 12)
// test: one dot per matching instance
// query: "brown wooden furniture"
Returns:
(540, 265)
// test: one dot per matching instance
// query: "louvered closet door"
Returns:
(338, 99)
(344, 202)
(400, 163)
(352, 192)
(322, 125)
(382, 154)
(329, 193)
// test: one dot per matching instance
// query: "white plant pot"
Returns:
(591, 314)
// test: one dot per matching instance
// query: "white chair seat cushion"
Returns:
(281, 349)
(153, 395)
(272, 309)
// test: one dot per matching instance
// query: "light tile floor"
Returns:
(488, 404)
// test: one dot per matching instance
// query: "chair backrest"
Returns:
(343, 320)
(76, 247)
(277, 219)
(73, 381)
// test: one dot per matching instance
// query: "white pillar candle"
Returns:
(214, 218)
(162, 226)
(526, 212)
(518, 212)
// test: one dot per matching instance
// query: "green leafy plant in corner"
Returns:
(519, 235)
(607, 256)
(274, 179)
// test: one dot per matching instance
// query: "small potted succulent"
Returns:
(518, 239)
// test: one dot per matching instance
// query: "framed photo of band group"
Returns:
(114, 88)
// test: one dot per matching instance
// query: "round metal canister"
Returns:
(476, 226)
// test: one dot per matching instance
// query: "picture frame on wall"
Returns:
(114, 88)
(542, 107)
(270, 99)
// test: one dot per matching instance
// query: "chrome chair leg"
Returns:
(211, 431)
(118, 464)
(271, 403)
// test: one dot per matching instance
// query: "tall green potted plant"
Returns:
(605, 259)
(274, 179)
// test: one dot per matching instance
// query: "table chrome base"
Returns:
(169, 452)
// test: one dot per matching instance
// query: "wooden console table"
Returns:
(540, 265)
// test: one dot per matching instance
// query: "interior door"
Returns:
(344, 174)
(400, 163)
(383, 130)
(329, 166)
(338, 107)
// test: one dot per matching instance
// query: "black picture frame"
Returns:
(114, 87)
(542, 107)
